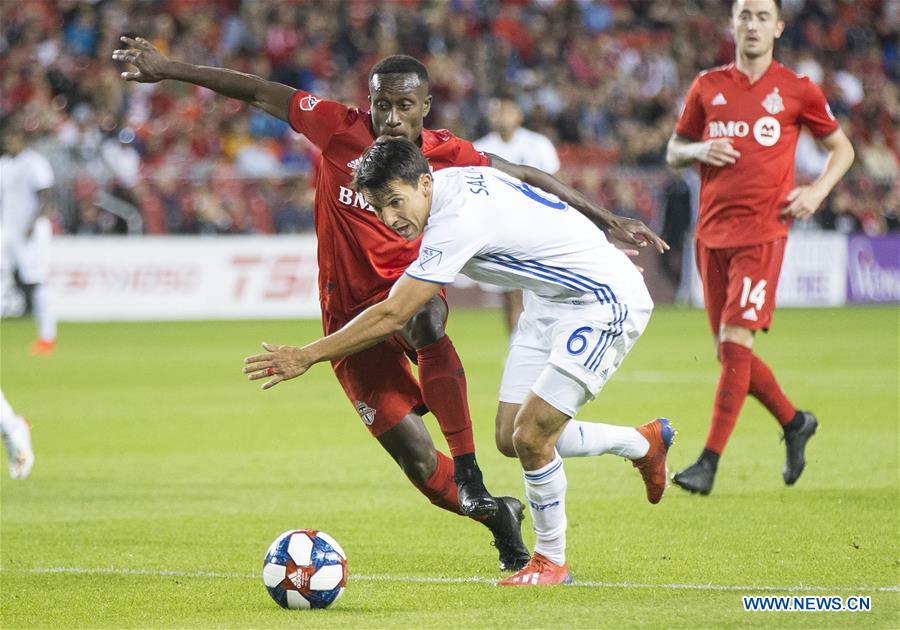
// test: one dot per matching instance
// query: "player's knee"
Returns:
(425, 327)
(526, 440)
(504, 440)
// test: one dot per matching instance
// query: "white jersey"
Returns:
(494, 228)
(525, 147)
(21, 177)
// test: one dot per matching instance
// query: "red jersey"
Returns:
(359, 257)
(741, 204)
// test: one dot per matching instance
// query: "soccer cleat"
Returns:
(18, 447)
(474, 499)
(539, 572)
(43, 347)
(697, 477)
(652, 466)
(795, 445)
(506, 526)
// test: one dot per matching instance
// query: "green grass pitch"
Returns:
(162, 476)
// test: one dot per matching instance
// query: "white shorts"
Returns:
(566, 352)
(29, 256)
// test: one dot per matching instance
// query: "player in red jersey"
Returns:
(741, 123)
(359, 260)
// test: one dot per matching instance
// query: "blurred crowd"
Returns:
(604, 79)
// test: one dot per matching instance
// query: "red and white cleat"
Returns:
(539, 572)
(652, 466)
(43, 347)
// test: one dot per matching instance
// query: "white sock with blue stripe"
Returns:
(545, 491)
(584, 439)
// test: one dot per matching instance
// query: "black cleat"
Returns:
(795, 445)
(474, 499)
(507, 529)
(696, 478)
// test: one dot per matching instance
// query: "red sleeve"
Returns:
(468, 155)
(315, 118)
(693, 118)
(816, 114)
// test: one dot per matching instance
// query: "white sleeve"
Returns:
(41, 173)
(445, 249)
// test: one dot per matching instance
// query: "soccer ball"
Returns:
(305, 568)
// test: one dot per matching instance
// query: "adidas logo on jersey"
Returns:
(750, 314)
(719, 99)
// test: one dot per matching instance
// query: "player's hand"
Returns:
(144, 56)
(280, 363)
(802, 202)
(634, 232)
(718, 152)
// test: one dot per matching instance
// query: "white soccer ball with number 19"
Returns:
(305, 568)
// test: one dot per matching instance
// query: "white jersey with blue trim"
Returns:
(494, 228)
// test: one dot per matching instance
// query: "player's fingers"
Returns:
(129, 41)
(132, 76)
(275, 380)
(255, 367)
(143, 44)
(793, 194)
(271, 347)
(255, 376)
(258, 358)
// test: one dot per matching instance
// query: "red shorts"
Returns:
(739, 284)
(379, 381)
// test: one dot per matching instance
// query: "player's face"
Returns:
(404, 208)
(399, 104)
(755, 25)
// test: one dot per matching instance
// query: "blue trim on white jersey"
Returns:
(424, 279)
(564, 277)
(607, 337)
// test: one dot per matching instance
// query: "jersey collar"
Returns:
(741, 78)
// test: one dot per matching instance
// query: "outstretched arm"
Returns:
(152, 66)
(376, 323)
(631, 231)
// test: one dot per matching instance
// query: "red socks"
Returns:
(766, 390)
(734, 383)
(443, 384)
(440, 487)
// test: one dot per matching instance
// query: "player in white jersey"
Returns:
(26, 180)
(16, 433)
(587, 305)
(511, 141)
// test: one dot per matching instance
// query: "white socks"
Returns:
(9, 421)
(583, 439)
(43, 313)
(545, 491)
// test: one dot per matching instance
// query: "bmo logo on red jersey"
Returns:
(353, 198)
(766, 130)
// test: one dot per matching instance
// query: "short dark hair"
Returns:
(777, 5)
(400, 64)
(387, 160)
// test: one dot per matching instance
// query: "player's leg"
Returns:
(16, 434)
(380, 384)
(443, 384)
(34, 271)
(410, 445)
